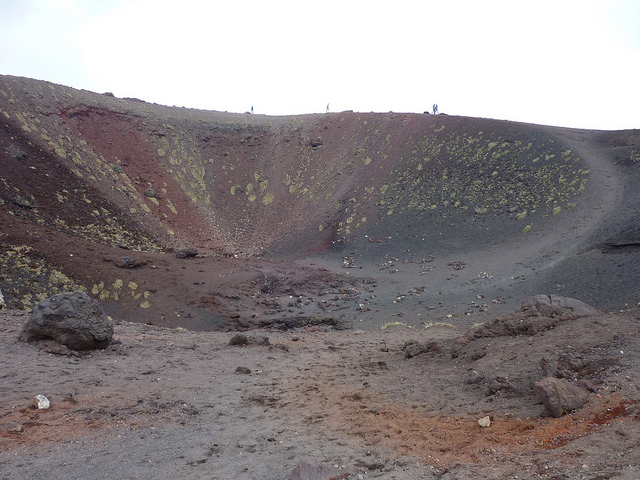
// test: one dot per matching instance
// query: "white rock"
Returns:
(41, 402)
(485, 422)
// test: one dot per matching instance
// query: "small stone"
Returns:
(128, 262)
(150, 192)
(41, 402)
(485, 422)
(243, 370)
(12, 427)
(239, 339)
(474, 377)
(188, 252)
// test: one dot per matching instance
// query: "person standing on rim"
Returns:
(435, 108)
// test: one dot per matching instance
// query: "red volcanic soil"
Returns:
(315, 231)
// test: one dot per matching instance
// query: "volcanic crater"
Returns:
(346, 237)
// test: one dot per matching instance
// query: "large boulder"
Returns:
(560, 396)
(74, 320)
(553, 305)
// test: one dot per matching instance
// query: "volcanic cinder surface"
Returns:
(317, 231)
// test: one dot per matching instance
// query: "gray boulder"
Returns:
(551, 305)
(560, 396)
(74, 320)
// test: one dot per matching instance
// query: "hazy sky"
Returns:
(558, 62)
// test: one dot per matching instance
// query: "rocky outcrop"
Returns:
(537, 314)
(554, 305)
(74, 320)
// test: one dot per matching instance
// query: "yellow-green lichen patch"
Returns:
(184, 162)
(171, 207)
(268, 199)
(31, 278)
(483, 176)
(251, 196)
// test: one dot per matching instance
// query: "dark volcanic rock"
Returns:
(241, 340)
(474, 377)
(128, 262)
(74, 320)
(188, 252)
(17, 153)
(560, 396)
(150, 192)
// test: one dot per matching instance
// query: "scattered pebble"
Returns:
(41, 402)
(485, 422)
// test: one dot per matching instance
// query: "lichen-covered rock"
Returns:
(74, 320)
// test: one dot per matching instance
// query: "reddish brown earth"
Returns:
(324, 228)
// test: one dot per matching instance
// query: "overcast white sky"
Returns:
(572, 63)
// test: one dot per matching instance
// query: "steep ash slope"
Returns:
(88, 179)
